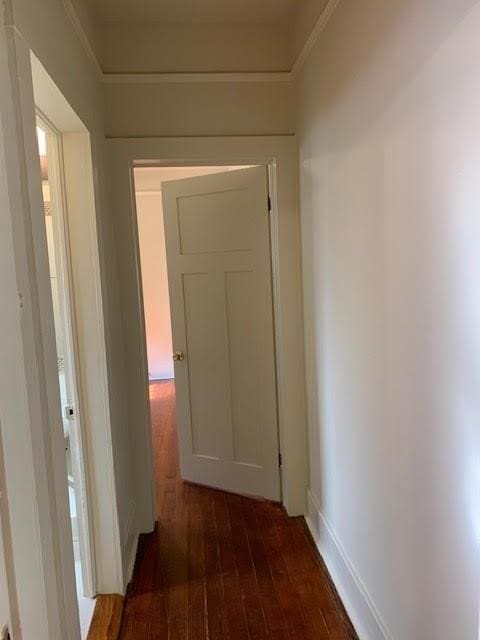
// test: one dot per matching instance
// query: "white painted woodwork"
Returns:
(67, 341)
(96, 375)
(220, 280)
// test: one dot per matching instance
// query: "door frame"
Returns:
(39, 93)
(33, 444)
(280, 155)
(256, 178)
(79, 447)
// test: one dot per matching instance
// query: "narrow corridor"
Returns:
(221, 566)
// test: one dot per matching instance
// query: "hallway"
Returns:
(220, 566)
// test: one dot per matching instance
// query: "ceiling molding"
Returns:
(315, 34)
(84, 39)
(176, 78)
(210, 77)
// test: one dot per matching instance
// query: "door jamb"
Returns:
(84, 508)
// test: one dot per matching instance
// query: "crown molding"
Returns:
(201, 77)
(84, 39)
(314, 35)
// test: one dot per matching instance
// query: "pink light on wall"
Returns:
(155, 285)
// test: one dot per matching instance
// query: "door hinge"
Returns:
(269, 203)
(279, 459)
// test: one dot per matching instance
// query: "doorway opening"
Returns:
(54, 201)
(210, 559)
(218, 238)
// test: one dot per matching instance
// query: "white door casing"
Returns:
(220, 281)
(71, 396)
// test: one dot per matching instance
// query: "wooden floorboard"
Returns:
(224, 567)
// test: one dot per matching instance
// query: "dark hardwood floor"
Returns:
(224, 567)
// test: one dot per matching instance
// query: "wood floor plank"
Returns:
(221, 566)
(274, 615)
(249, 591)
(215, 595)
(197, 628)
(177, 567)
(287, 595)
(235, 605)
(141, 589)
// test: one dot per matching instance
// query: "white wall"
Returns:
(389, 131)
(199, 109)
(195, 46)
(156, 301)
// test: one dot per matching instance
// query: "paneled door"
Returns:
(220, 281)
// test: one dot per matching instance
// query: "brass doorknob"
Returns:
(178, 356)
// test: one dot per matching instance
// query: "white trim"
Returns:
(314, 35)
(84, 39)
(130, 565)
(195, 77)
(55, 590)
(78, 436)
(81, 213)
(89, 297)
(148, 192)
(355, 597)
(146, 518)
(130, 537)
(23, 482)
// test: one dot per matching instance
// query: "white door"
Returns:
(219, 269)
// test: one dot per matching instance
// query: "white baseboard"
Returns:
(353, 594)
(130, 548)
(131, 561)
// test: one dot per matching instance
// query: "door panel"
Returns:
(219, 266)
(242, 355)
(208, 223)
(205, 355)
